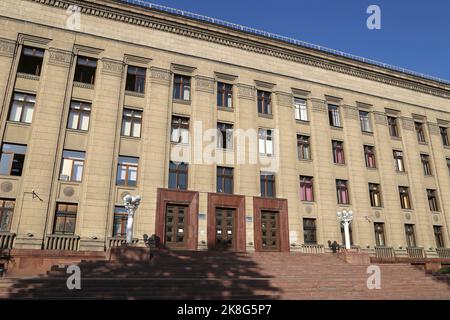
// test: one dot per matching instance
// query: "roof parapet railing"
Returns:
(146, 4)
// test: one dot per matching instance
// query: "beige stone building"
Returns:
(103, 98)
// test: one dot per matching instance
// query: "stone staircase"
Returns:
(227, 275)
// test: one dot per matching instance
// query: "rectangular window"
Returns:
(224, 95)
(342, 192)
(375, 195)
(309, 231)
(364, 119)
(420, 132)
(31, 61)
(398, 161)
(333, 115)
(426, 164)
(72, 166)
(22, 108)
(432, 200)
(65, 218)
(6, 213)
(180, 130)
(12, 159)
(369, 155)
(393, 128)
(135, 79)
(438, 236)
(224, 136)
(178, 175)
(306, 188)
(85, 70)
(127, 171)
(303, 147)
(224, 180)
(338, 152)
(267, 185)
(444, 136)
(379, 234)
(448, 165)
(301, 111)
(410, 235)
(182, 87)
(264, 102)
(265, 142)
(120, 222)
(131, 123)
(79, 115)
(405, 201)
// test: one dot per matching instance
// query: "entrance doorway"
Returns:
(270, 231)
(225, 229)
(176, 229)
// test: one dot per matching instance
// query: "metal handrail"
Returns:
(149, 5)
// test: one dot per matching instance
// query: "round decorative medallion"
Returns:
(6, 186)
(308, 209)
(435, 218)
(377, 214)
(124, 194)
(68, 191)
(408, 216)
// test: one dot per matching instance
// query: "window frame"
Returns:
(127, 166)
(6, 211)
(222, 176)
(298, 104)
(264, 99)
(133, 120)
(38, 63)
(393, 126)
(433, 202)
(66, 214)
(22, 103)
(374, 193)
(265, 136)
(379, 230)
(85, 108)
(410, 234)
(338, 152)
(178, 172)
(342, 186)
(267, 178)
(225, 131)
(123, 216)
(426, 164)
(135, 78)
(398, 156)
(302, 145)
(334, 115)
(306, 182)
(405, 198)
(309, 228)
(84, 67)
(72, 160)
(438, 237)
(369, 153)
(365, 121)
(10, 165)
(444, 136)
(420, 132)
(180, 123)
(224, 95)
(183, 83)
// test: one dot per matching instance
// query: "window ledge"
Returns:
(83, 85)
(396, 138)
(129, 188)
(305, 122)
(267, 116)
(407, 210)
(306, 160)
(9, 177)
(401, 172)
(423, 143)
(336, 128)
(308, 202)
(135, 94)
(367, 133)
(225, 149)
(340, 164)
(28, 76)
(372, 169)
(435, 212)
(18, 123)
(130, 138)
(447, 147)
(226, 109)
(346, 205)
(81, 132)
(179, 143)
(72, 183)
(180, 101)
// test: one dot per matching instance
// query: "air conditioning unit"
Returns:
(64, 177)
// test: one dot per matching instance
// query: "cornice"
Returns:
(255, 44)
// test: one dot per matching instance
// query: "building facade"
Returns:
(234, 140)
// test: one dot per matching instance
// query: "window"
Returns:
(224, 95)
(303, 147)
(85, 70)
(342, 192)
(393, 128)
(405, 201)
(127, 170)
(180, 130)
(448, 165)
(178, 175)
(65, 218)
(379, 234)
(31, 61)
(182, 87)
(72, 166)
(120, 222)
(131, 123)
(369, 155)
(426, 164)
(364, 119)
(267, 185)
(22, 108)
(420, 132)
(410, 236)
(309, 231)
(135, 79)
(6, 213)
(444, 135)
(375, 195)
(432, 200)
(333, 114)
(12, 160)
(79, 116)
(224, 180)
(338, 152)
(438, 236)
(264, 102)
(301, 112)
(224, 136)
(265, 142)
(398, 161)
(350, 231)
(306, 188)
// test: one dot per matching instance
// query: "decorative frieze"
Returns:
(407, 124)
(433, 129)
(28, 76)
(7, 47)
(59, 57)
(380, 118)
(225, 77)
(350, 112)
(161, 76)
(204, 84)
(264, 85)
(319, 106)
(285, 99)
(246, 92)
(112, 67)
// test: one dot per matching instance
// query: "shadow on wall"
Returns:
(168, 275)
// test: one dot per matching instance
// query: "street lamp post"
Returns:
(346, 217)
(131, 205)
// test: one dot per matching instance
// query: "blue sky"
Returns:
(414, 34)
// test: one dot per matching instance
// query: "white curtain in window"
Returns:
(137, 129)
(84, 121)
(184, 135)
(126, 127)
(186, 92)
(77, 170)
(66, 169)
(16, 111)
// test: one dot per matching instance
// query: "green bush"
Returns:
(445, 270)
